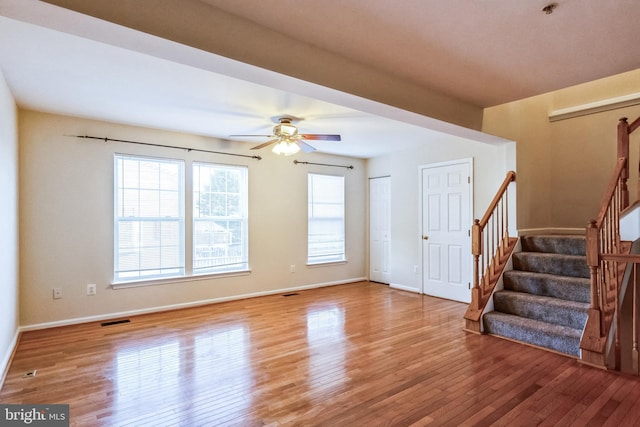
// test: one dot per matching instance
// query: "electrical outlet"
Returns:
(57, 293)
(292, 268)
(91, 289)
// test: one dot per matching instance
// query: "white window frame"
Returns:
(230, 260)
(121, 218)
(329, 256)
(186, 272)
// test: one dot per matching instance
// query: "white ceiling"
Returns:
(60, 61)
(486, 52)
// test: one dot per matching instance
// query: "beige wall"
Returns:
(564, 166)
(66, 196)
(9, 317)
(490, 163)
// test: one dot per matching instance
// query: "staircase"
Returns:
(546, 296)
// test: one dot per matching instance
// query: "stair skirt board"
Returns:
(544, 299)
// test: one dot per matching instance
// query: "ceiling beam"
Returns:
(196, 24)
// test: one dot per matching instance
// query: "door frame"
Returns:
(469, 162)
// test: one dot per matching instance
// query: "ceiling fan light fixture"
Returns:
(285, 147)
(285, 129)
(288, 141)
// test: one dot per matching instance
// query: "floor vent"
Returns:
(30, 374)
(115, 322)
(291, 294)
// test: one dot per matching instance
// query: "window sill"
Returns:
(326, 264)
(181, 279)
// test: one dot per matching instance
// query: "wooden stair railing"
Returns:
(604, 252)
(491, 247)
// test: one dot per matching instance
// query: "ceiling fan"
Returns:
(287, 139)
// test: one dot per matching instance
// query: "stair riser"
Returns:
(557, 287)
(573, 266)
(561, 343)
(553, 312)
(568, 245)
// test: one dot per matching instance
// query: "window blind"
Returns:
(149, 218)
(326, 236)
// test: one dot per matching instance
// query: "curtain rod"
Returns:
(322, 164)
(165, 146)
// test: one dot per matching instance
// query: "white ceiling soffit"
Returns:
(59, 61)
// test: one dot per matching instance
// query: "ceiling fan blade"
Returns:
(319, 137)
(305, 147)
(266, 144)
(259, 136)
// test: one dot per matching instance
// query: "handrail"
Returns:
(610, 191)
(621, 258)
(511, 177)
(634, 125)
(606, 258)
(490, 247)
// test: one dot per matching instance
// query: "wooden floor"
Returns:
(353, 355)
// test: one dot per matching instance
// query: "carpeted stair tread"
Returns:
(563, 265)
(563, 339)
(546, 309)
(546, 296)
(559, 244)
(549, 285)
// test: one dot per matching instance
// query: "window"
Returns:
(219, 218)
(326, 219)
(149, 218)
(151, 212)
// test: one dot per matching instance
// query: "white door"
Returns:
(446, 229)
(379, 228)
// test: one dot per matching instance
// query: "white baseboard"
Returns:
(552, 230)
(404, 288)
(120, 314)
(6, 360)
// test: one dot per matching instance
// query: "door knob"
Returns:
(425, 237)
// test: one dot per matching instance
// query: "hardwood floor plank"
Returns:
(360, 354)
(595, 407)
(629, 398)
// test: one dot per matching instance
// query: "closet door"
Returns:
(379, 229)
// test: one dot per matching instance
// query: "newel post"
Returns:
(592, 344)
(593, 250)
(623, 152)
(593, 261)
(476, 251)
